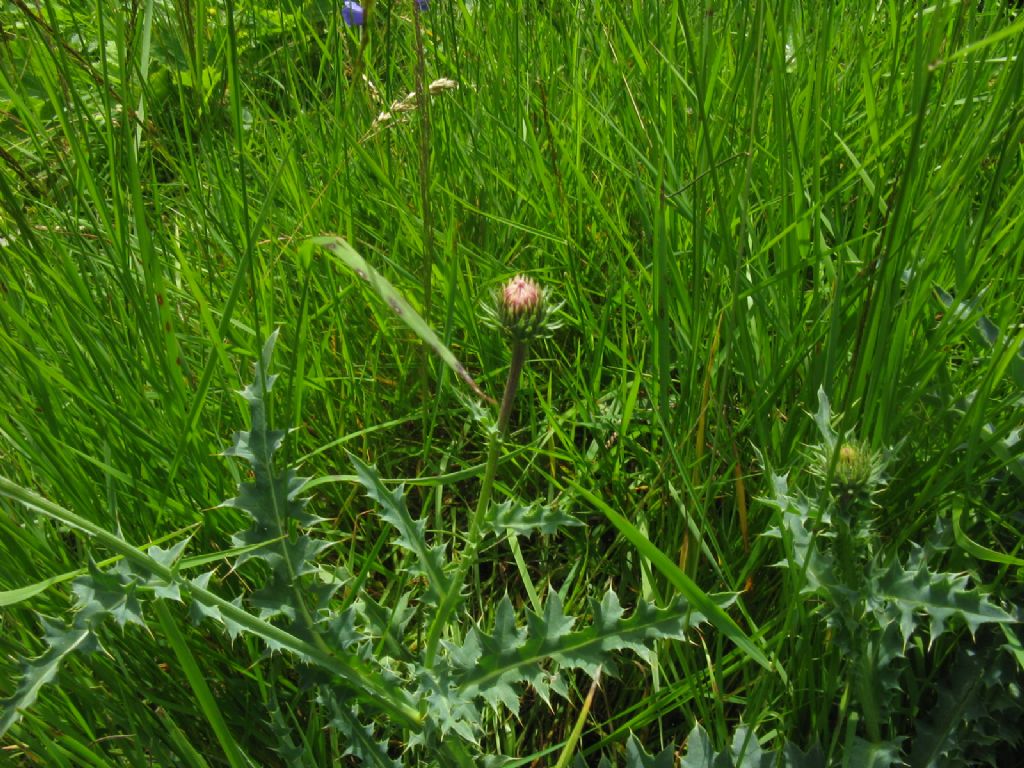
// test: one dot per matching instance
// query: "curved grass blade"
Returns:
(977, 550)
(697, 597)
(203, 695)
(348, 256)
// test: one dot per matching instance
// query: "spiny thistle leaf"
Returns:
(291, 753)
(111, 593)
(199, 610)
(271, 499)
(167, 590)
(700, 753)
(977, 713)
(805, 556)
(360, 741)
(744, 752)
(637, 757)
(271, 503)
(494, 666)
(510, 516)
(38, 672)
(378, 622)
(905, 596)
(411, 533)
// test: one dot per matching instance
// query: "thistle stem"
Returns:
(511, 386)
(469, 555)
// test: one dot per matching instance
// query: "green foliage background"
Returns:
(738, 202)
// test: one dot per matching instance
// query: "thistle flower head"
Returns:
(520, 295)
(522, 311)
(858, 473)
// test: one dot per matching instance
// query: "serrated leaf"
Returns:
(233, 627)
(291, 752)
(273, 600)
(341, 629)
(637, 757)
(111, 593)
(805, 556)
(359, 739)
(167, 558)
(429, 561)
(198, 611)
(381, 621)
(866, 754)
(272, 501)
(747, 752)
(451, 709)
(700, 752)
(494, 666)
(907, 595)
(258, 445)
(744, 751)
(511, 516)
(554, 625)
(271, 504)
(43, 669)
(937, 731)
(684, 585)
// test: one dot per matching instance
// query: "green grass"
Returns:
(737, 202)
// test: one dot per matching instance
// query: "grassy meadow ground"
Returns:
(737, 204)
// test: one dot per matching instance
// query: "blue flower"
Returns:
(352, 13)
(422, 5)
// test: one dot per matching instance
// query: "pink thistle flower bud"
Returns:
(521, 311)
(521, 295)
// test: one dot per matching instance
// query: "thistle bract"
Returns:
(522, 310)
(858, 472)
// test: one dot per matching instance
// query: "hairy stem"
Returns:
(469, 555)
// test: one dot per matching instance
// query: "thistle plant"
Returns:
(361, 662)
(522, 313)
(873, 602)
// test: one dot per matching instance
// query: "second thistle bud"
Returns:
(522, 311)
(857, 475)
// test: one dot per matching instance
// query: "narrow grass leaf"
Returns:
(348, 256)
(697, 597)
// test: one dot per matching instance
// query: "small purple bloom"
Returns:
(422, 5)
(352, 13)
